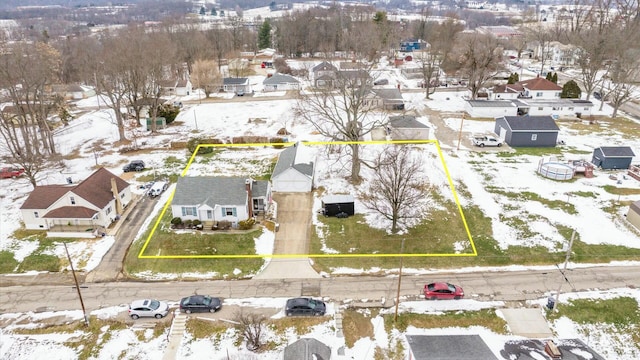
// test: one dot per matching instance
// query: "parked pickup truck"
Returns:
(10, 172)
(486, 140)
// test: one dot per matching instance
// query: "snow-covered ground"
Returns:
(228, 119)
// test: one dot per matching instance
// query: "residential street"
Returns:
(509, 286)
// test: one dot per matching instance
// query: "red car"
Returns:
(442, 290)
(8, 172)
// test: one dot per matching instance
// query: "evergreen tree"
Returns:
(571, 90)
(516, 76)
(203, 11)
(513, 78)
(554, 78)
(264, 35)
(214, 12)
(549, 76)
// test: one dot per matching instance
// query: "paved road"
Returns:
(515, 286)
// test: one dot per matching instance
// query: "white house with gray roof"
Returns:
(294, 170)
(407, 127)
(211, 199)
(280, 82)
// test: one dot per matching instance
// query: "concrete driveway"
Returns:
(292, 238)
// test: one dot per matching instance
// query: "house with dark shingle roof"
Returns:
(294, 170)
(448, 347)
(211, 199)
(527, 131)
(612, 157)
(95, 202)
(324, 74)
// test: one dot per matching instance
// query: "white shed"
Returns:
(294, 170)
(633, 216)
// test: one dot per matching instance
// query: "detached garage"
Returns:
(633, 216)
(294, 170)
(612, 157)
(527, 131)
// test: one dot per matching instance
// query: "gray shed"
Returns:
(612, 157)
(633, 216)
(527, 131)
(307, 349)
(448, 347)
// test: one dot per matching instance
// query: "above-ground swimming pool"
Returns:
(556, 171)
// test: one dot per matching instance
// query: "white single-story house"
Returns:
(280, 82)
(73, 91)
(490, 108)
(235, 84)
(176, 87)
(92, 204)
(211, 199)
(294, 170)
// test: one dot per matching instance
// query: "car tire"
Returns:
(456, 298)
(135, 317)
(318, 314)
(481, 145)
(288, 314)
(499, 144)
(159, 316)
(433, 298)
(212, 310)
(187, 311)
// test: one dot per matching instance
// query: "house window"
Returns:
(36, 215)
(108, 210)
(586, 109)
(188, 211)
(258, 204)
(534, 137)
(540, 108)
(73, 200)
(209, 214)
(571, 109)
(230, 211)
(539, 94)
(556, 108)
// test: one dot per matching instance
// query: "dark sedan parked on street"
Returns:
(305, 306)
(442, 291)
(200, 303)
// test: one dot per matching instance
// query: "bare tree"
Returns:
(26, 73)
(398, 186)
(206, 76)
(345, 112)
(479, 59)
(592, 50)
(622, 75)
(251, 325)
(541, 35)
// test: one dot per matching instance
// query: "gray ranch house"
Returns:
(211, 199)
(236, 84)
(612, 157)
(280, 82)
(527, 131)
(73, 210)
(294, 170)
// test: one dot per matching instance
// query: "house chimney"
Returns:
(114, 190)
(248, 184)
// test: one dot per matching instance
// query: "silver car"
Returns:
(148, 308)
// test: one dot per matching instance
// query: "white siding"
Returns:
(291, 180)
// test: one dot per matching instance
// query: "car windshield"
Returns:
(155, 304)
(312, 304)
(431, 287)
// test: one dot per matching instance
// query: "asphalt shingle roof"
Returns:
(214, 190)
(447, 347)
(280, 79)
(288, 159)
(617, 151)
(406, 122)
(531, 123)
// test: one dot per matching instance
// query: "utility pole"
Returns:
(75, 279)
(395, 317)
(564, 269)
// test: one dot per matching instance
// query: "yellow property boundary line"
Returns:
(248, 256)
